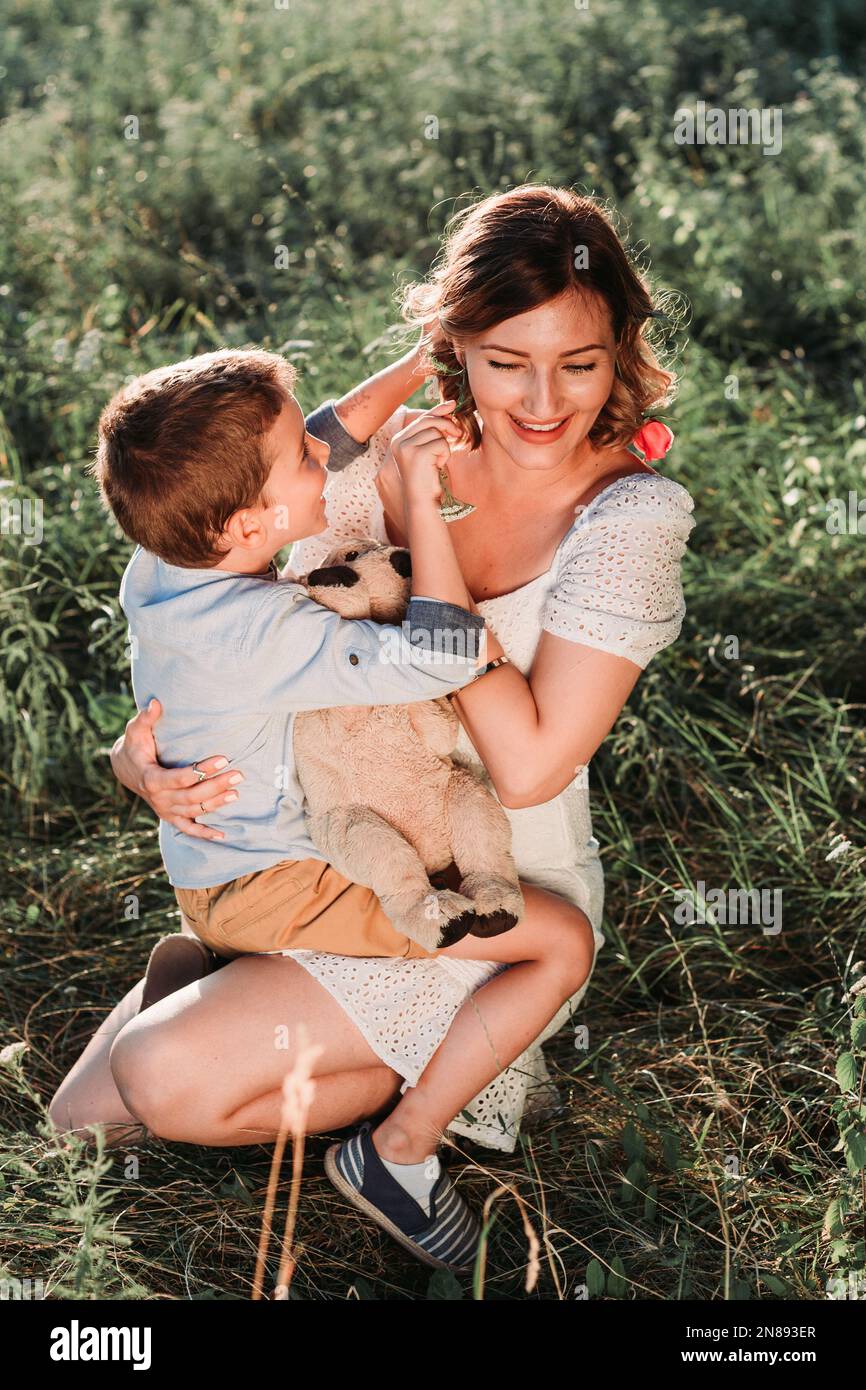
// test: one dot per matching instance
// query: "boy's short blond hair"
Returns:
(182, 447)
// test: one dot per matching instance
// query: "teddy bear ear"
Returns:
(402, 562)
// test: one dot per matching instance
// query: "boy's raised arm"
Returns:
(348, 423)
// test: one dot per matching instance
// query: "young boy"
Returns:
(210, 466)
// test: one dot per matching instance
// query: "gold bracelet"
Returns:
(491, 666)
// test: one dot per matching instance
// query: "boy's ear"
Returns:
(245, 528)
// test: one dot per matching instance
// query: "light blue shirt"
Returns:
(233, 658)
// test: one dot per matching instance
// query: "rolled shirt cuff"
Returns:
(325, 423)
(444, 629)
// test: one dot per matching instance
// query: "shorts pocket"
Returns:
(251, 903)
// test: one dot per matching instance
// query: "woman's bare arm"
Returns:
(533, 736)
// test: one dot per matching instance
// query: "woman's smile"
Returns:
(539, 432)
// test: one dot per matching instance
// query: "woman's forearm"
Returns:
(499, 713)
(534, 737)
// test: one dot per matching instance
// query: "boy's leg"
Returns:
(303, 904)
(310, 905)
(496, 1023)
(307, 904)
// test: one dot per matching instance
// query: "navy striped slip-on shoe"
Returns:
(447, 1238)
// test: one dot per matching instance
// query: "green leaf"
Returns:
(858, 1032)
(777, 1286)
(617, 1284)
(632, 1142)
(236, 1187)
(832, 1224)
(636, 1177)
(594, 1278)
(855, 1152)
(846, 1072)
(444, 1284)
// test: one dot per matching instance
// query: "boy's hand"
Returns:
(422, 450)
(176, 794)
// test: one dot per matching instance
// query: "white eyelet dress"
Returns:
(614, 584)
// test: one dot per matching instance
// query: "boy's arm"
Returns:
(347, 424)
(304, 656)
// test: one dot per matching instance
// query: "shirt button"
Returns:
(353, 658)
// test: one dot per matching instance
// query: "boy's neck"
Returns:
(246, 562)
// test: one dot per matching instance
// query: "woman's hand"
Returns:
(177, 795)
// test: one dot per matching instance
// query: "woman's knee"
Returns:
(144, 1065)
(569, 944)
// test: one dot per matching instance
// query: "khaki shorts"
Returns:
(298, 904)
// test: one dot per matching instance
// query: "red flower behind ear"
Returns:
(654, 440)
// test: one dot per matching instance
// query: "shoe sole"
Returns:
(361, 1203)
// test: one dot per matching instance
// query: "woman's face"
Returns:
(540, 379)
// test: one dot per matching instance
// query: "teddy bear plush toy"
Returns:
(386, 806)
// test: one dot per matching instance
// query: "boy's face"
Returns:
(293, 492)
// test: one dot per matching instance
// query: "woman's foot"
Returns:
(447, 1236)
(175, 961)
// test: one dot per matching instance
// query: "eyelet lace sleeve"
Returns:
(352, 503)
(618, 583)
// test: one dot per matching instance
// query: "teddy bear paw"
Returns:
(498, 903)
(439, 919)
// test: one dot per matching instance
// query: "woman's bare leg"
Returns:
(89, 1094)
(496, 1023)
(206, 1065)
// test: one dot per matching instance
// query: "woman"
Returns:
(572, 554)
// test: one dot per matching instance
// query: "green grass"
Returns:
(699, 1152)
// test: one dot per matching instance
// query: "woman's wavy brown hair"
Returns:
(514, 251)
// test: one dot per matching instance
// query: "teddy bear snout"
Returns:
(341, 576)
(402, 562)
